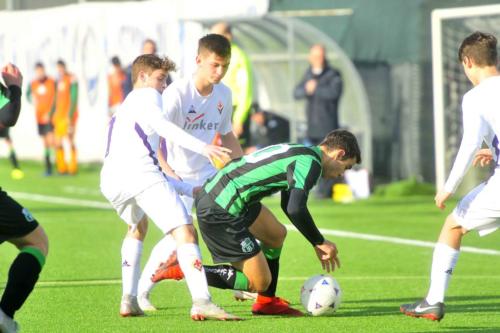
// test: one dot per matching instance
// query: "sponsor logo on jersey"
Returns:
(198, 123)
(220, 106)
(247, 245)
(191, 109)
(125, 263)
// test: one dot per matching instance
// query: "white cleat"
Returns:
(145, 303)
(7, 324)
(129, 307)
(205, 309)
(242, 296)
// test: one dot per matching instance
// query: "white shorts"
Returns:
(195, 180)
(479, 210)
(160, 203)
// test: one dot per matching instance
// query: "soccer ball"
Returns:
(320, 295)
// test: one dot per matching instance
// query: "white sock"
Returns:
(131, 265)
(165, 247)
(189, 258)
(443, 262)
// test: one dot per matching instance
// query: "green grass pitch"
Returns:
(79, 289)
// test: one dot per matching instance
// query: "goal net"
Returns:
(449, 28)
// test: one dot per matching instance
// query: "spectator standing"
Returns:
(321, 86)
(42, 93)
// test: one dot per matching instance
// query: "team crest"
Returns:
(27, 215)
(247, 245)
(191, 109)
(197, 264)
(220, 106)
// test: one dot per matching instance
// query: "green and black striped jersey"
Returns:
(275, 168)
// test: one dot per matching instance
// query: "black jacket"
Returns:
(322, 105)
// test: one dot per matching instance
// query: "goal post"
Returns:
(449, 27)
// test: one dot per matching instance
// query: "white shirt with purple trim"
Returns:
(481, 122)
(130, 164)
(200, 116)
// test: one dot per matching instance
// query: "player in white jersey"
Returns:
(479, 210)
(202, 107)
(133, 181)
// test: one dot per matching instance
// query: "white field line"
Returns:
(395, 240)
(77, 283)
(60, 200)
(330, 232)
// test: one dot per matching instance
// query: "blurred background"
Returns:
(383, 50)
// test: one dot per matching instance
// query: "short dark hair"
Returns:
(480, 47)
(215, 43)
(116, 61)
(39, 64)
(149, 63)
(343, 139)
(61, 62)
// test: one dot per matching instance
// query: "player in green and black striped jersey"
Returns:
(231, 218)
(17, 225)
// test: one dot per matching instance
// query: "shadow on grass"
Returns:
(367, 307)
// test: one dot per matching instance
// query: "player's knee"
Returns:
(37, 238)
(185, 234)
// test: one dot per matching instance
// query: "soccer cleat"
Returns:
(129, 307)
(205, 309)
(242, 296)
(422, 309)
(7, 324)
(168, 270)
(276, 306)
(145, 303)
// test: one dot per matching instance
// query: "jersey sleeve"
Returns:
(304, 173)
(475, 130)
(10, 105)
(226, 125)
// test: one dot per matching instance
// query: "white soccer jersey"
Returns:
(200, 116)
(130, 164)
(481, 122)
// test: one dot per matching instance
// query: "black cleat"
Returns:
(422, 309)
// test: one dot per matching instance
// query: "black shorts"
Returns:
(4, 133)
(45, 128)
(15, 220)
(226, 236)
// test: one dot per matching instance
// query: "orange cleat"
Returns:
(274, 306)
(168, 270)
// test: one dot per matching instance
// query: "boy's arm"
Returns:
(229, 141)
(10, 105)
(294, 204)
(474, 132)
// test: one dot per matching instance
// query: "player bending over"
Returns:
(231, 217)
(17, 225)
(132, 180)
(480, 209)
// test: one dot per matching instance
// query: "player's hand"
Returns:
(12, 76)
(483, 157)
(441, 198)
(327, 254)
(311, 86)
(216, 153)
